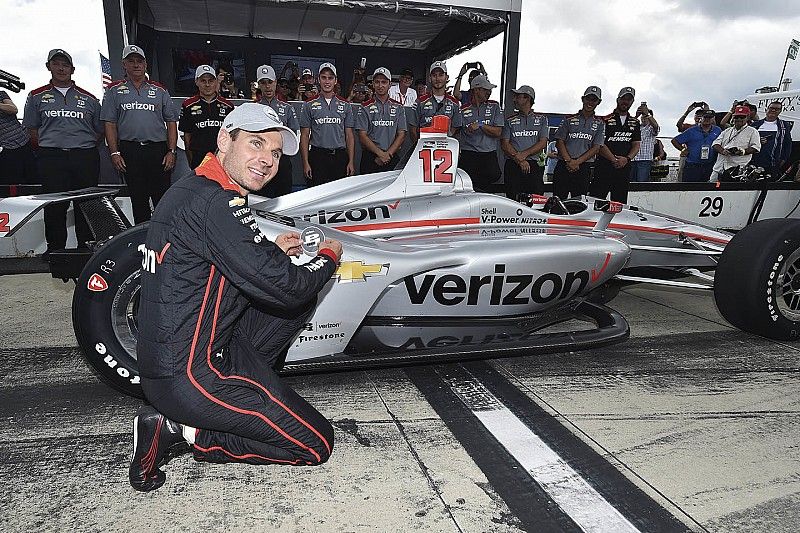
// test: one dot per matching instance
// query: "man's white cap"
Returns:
(327, 65)
(265, 72)
(307, 72)
(481, 81)
(254, 117)
(204, 69)
(383, 71)
(132, 49)
(438, 64)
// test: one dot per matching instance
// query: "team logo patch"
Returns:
(310, 240)
(96, 283)
(236, 202)
(357, 271)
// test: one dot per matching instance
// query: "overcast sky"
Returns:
(672, 52)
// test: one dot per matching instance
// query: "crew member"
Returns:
(142, 146)
(65, 121)
(282, 182)
(437, 102)
(482, 125)
(623, 136)
(202, 116)
(327, 144)
(219, 308)
(524, 139)
(382, 126)
(578, 139)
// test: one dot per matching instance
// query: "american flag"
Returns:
(105, 66)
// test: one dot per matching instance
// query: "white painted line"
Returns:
(579, 500)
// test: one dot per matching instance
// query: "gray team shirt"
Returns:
(580, 133)
(426, 107)
(523, 131)
(70, 120)
(140, 114)
(285, 112)
(488, 113)
(327, 121)
(382, 121)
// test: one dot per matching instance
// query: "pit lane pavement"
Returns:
(688, 425)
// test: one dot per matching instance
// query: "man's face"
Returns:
(380, 84)
(480, 94)
(421, 89)
(283, 88)
(267, 87)
(327, 81)
(135, 66)
(251, 160)
(739, 121)
(590, 102)
(706, 121)
(624, 103)
(521, 100)
(207, 85)
(773, 111)
(406, 81)
(60, 70)
(698, 117)
(438, 79)
(308, 78)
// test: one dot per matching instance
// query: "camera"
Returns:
(735, 151)
(227, 78)
(309, 87)
(476, 65)
(699, 104)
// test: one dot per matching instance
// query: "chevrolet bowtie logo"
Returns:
(357, 271)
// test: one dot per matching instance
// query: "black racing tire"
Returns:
(104, 309)
(757, 281)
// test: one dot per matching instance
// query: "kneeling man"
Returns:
(218, 310)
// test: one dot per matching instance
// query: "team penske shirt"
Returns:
(203, 119)
(580, 133)
(70, 120)
(140, 114)
(488, 113)
(285, 112)
(523, 131)
(327, 121)
(428, 106)
(382, 121)
(620, 136)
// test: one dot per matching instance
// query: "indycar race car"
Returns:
(434, 271)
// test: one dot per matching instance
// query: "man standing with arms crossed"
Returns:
(65, 122)
(142, 146)
(437, 102)
(282, 182)
(381, 126)
(327, 145)
(622, 139)
(217, 312)
(202, 116)
(578, 139)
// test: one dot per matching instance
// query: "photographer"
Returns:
(700, 107)
(227, 85)
(751, 117)
(736, 145)
(696, 142)
(466, 98)
(643, 161)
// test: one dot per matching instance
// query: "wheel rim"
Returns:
(788, 287)
(123, 313)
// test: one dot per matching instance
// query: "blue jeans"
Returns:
(640, 170)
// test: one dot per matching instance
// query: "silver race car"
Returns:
(433, 271)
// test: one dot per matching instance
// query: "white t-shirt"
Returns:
(747, 137)
(408, 100)
(769, 126)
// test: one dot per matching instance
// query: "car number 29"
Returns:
(711, 207)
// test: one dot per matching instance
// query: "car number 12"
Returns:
(435, 165)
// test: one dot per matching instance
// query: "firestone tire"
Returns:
(104, 308)
(757, 282)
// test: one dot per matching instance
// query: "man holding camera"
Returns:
(227, 85)
(202, 116)
(381, 126)
(623, 137)
(437, 102)
(736, 145)
(327, 145)
(477, 69)
(267, 83)
(697, 142)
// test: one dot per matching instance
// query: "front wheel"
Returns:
(757, 282)
(104, 308)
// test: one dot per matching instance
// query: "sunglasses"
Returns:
(774, 109)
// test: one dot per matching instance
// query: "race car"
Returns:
(434, 271)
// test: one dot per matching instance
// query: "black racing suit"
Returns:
(219, 303)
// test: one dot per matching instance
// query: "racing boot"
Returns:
(156, 440)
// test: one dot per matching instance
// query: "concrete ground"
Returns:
(688, 425)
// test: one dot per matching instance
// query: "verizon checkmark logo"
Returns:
(595, 274)
(151, 258)
(394, 205)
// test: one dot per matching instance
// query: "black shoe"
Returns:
(156, 440)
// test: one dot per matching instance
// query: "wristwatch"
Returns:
(173, 151)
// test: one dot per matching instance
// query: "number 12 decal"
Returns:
(438, 172)
(4, 223)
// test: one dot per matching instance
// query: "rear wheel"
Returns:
(757, 282)
(104, 309)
